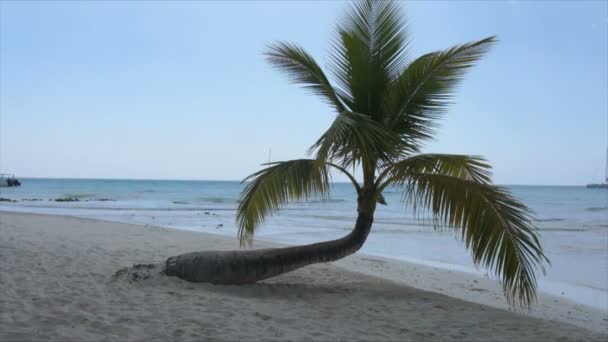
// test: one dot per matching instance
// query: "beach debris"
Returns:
(2, 199)
(138, 272)
(374, 260)
(206, 213)
(262, 316)
(32, 199)
(219, 226)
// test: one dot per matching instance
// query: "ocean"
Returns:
(573, 222)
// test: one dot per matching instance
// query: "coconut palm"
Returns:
(386, 107)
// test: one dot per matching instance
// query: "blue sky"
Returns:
(180, 90)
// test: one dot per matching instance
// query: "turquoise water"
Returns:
(573, 222)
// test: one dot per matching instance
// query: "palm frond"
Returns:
(353, 138)
(422, 92)
(301, 68)
(473, 168)
(496, 227)
(369, 51)
(275, 185)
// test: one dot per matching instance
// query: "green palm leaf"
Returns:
(275, 185)
(422, 92)
(496, 228)
(301, 68)
(354, 138)
(473, 168)
(368, 52)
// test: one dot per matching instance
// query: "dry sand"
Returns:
(56, 282)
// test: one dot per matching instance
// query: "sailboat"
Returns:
(603, 185)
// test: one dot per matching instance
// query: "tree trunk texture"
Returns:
(250, 266)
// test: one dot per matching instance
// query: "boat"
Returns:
(8, 180)
(603, 185)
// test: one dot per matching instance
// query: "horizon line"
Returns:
(238, 181)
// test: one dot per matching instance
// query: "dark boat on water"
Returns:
(7, 180)
(603, 185)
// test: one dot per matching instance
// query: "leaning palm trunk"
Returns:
(250, 266)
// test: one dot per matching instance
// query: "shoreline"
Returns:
(455, 284)
(585, 295)
(582, 293)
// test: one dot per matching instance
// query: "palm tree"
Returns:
(386, 107)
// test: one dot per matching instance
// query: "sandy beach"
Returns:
(57, 280)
